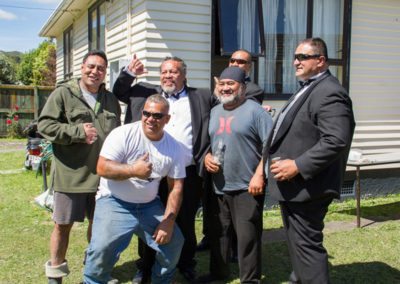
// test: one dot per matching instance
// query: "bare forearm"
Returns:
(114, 170)
(174, 200)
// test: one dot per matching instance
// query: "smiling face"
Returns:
(228, 91)
(307, 68)
(172, 77)
(93, 72)
(154, 117)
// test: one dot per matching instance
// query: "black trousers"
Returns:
(303, 223)
(243, 212)
(192, 191)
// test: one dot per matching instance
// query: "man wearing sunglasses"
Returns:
(189, 110)
(307, 154)
(242, 59)
(133, 160)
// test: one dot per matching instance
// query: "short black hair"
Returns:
(318, 44)
(95, 52)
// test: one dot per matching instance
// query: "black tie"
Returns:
(176, 96)
(306, 83)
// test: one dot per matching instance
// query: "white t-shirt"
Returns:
(128, 143)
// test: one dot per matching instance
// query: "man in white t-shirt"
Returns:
(133, 160)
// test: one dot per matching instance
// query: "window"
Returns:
(287, 22)
(240, 26)
(282, 24)
(68, 52)
(97, 25)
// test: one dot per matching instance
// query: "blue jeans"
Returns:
(115, 221)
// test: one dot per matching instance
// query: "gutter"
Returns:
(55, 16)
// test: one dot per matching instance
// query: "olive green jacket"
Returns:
(61, 122)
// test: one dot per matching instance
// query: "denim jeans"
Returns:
(115, 222)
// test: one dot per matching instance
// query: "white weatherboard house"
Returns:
(363, 38)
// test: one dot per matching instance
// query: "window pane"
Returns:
(102, 36)
(285, 24)
(239, 26)
(68, 53)
(328, 25)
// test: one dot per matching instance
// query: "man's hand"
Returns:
(210, 164)
(284, 170)
(136, 66)
(163, 232)
(90, 132)
(142, 168)
(256, 186)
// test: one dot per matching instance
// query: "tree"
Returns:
(7, 70)
(38, 67)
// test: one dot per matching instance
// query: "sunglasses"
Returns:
(155, 115)
(238, 61)
(301, 56)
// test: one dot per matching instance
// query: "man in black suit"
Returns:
(190, 112)
(242, 59)
(307, 154)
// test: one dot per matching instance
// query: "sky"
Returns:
(21, 22)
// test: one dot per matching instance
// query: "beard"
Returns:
(233, 98)
(169, 90)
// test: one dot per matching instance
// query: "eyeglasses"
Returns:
(155, 115)
(238, 61)
(301, 56)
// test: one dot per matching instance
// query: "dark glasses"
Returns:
(238, 61)
(155, 115)
(301, 56)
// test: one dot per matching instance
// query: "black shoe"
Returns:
(189, 273)
(55, 280)
(141, 277)
(208, 278)
(203, 245)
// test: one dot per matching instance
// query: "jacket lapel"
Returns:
(290, 116)
(195, 112)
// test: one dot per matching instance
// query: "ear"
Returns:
(216, 80)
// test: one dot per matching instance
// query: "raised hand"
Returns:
(136, 66)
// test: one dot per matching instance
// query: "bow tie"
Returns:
(306, 83)
(176, 96)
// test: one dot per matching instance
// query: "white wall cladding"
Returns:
(179, 28)
(152, 29)
(59, 58)
(375, 59)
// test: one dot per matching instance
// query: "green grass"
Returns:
(366, 255)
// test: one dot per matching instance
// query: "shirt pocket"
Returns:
(108, 121)
(78, 116)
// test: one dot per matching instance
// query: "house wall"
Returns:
(152, 30)
(375, 59)
(155, 29)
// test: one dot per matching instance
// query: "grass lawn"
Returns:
(367, 255)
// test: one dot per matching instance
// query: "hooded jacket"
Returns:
(61, 122)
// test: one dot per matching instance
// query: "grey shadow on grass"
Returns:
(377, 213)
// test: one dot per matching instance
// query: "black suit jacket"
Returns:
(200, 100)
(317, 133)
(254, 92)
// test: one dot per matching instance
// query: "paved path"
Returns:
(278, 235)
(11, 146)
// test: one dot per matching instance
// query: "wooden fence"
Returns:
(29, 99)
